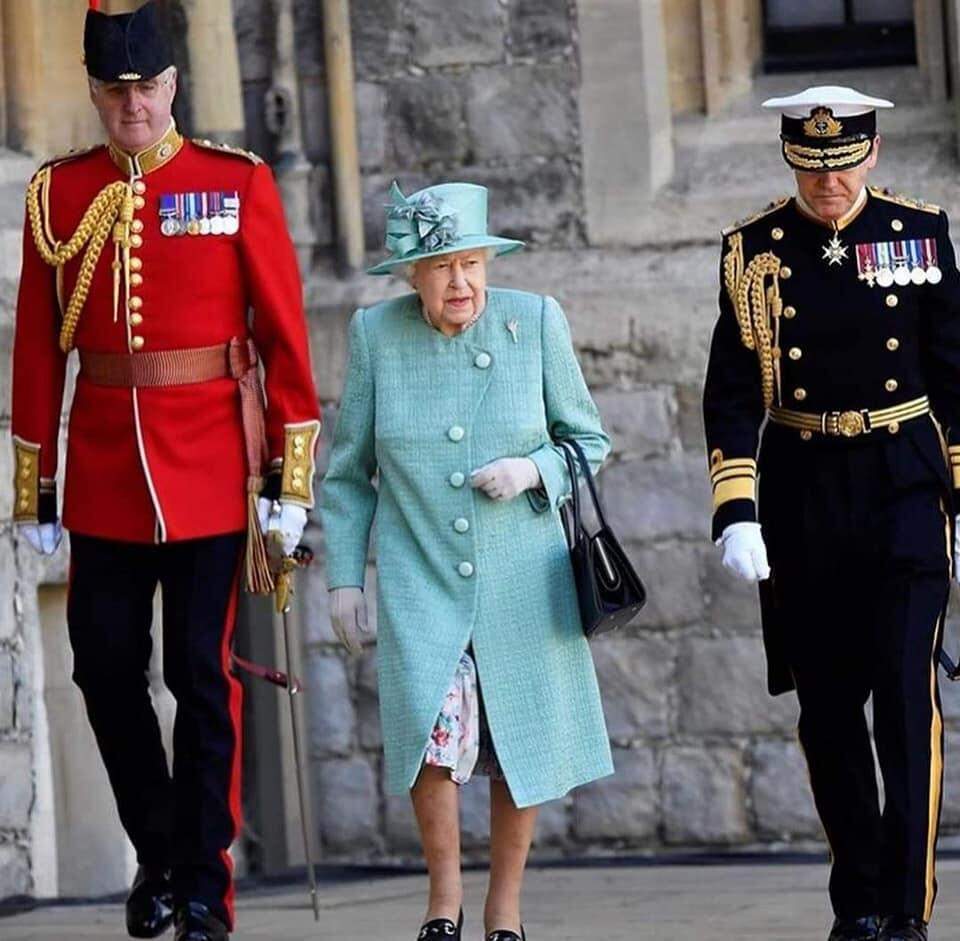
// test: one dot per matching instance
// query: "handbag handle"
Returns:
(576, 523)
(574, 445)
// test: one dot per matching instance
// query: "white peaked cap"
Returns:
(843, 102)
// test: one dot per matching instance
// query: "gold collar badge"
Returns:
(822, 123)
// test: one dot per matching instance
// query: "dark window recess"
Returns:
(837, 34)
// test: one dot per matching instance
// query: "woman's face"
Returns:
(452, 288)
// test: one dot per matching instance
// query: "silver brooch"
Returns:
(514, 327)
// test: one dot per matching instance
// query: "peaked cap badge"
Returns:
(822, 123)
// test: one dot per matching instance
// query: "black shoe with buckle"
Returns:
(903, 928)
(865, 928)
(502, 935)
(195, 922)
(150, 903)
(437, 929)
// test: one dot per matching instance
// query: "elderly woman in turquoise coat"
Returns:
(455, 398)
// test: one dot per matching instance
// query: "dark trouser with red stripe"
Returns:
(860, 542)
(187, 820)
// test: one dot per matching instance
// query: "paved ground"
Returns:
(767, 902)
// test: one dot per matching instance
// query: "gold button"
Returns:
(777, 234)
(135, 303)
(789, 312)
(136, 264)
(891, 385)
(136, 320)
(799, 394)
(136, 225)
(806, 435)
(892, 300)
(776, 352)
(785, 272)
(139, 187)
(896, 225)
(795, 353)
(893, 344)
(139, 202)
(137, 343)
(136, 280)
(136, 241)
(893, 427)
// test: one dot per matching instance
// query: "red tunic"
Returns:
(159, 464)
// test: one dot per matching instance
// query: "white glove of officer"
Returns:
(287, 520)
(348, 614)
(744, 552)
(44, 537)
(506, 478)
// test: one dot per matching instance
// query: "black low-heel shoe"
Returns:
(438, 928)
(507, 935)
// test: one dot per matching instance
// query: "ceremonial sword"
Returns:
(300, 558)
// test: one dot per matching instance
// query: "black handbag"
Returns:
(609, 590)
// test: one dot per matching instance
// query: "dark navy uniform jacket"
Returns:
(852, 321)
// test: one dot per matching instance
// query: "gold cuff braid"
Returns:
(300, 441)
(110, 211)
(26, 481)
(757, 307)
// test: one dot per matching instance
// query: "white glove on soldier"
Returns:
(744, 552)
(44, 537)
(288, 522)
(506, 478)
(348, 614)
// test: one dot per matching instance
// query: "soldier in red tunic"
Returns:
(166, 264)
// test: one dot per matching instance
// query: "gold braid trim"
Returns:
(93, 231)
(758, 308)
(813, 158)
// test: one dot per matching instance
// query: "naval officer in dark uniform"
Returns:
(834, 380)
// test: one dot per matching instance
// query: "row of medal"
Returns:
(216, 213)
(909, 261)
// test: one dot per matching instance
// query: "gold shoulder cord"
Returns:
(758, 308)
(110, 211)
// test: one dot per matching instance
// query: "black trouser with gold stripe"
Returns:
(859, 541)
(186, 821)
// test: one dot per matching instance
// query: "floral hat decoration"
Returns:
(438, 220)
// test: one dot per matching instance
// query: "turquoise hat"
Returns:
(451, 217)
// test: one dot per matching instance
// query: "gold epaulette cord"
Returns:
(758, 307)
(111, 212)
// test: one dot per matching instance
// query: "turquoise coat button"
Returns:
(482, 361)
(456, 433)
(457, 479)
(461, 525)
(465, 569)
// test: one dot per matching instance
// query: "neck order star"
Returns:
(834, 252)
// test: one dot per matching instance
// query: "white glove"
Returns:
(348, 614)
(44, 537)
(744, 553)
(286, 520)
(506, 478)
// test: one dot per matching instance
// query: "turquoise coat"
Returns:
(454, 567)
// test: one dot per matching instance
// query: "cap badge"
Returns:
(130, 77)
(822, 123)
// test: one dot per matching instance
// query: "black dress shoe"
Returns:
(903, 928)
(507, 935)
(855, 929)
(439, 928)
(150, 903)
(196, 923)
